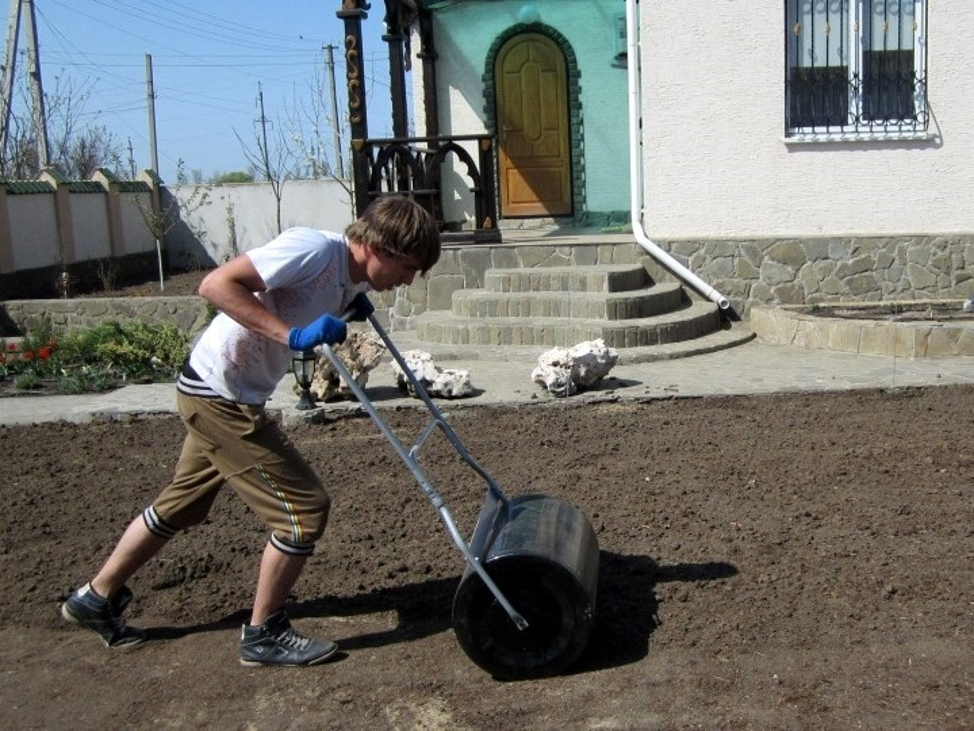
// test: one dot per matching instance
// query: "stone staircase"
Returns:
(561, 306)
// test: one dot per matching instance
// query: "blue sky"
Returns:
(207, 59)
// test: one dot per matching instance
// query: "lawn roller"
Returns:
(526, 602)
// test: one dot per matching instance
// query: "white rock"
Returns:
(443, 382)
(969, 304)
(451, 383)
(565, 372)
(361, 353)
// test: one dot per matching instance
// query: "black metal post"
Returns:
(353, 13)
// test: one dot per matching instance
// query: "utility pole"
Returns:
(36, 87)
(151, 94)
(33, 70)
(9, 67)
(336, 127)
(132, 171)
(263, 129)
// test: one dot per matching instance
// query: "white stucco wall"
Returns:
(463, 35)
(206, 235)
(34, 230)
(137, 235)
(89, 223)
(717, 165)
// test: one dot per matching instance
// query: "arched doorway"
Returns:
(534, 150)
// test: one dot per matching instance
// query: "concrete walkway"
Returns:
(503, 376)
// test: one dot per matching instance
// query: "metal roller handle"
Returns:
(410, 457)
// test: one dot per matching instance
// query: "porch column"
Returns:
(397, 68)
(353, 13)
(427, 53)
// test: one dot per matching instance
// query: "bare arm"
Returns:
(230, 288)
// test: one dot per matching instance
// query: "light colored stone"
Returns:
(566, 371)
(360, 353)
(436, 381)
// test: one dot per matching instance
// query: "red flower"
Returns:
(44, 353)
(28, 355)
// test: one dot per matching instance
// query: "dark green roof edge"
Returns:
(85, 186)
(133, 186)
(26, 187)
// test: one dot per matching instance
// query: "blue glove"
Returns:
(360, 309)
(326, 329)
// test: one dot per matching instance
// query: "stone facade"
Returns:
(464, 267)
(756, 271)
(191, 314)
(836, 269)
(920, 336)
(747, 272)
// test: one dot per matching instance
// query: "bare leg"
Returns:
(136, 546)
(278, 572)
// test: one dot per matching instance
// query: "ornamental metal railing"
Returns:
(856, 67)
(417, 166)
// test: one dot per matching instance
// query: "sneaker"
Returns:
(103, 617)
(275, 642)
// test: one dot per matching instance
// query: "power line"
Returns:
(197, 56)
(249, 38)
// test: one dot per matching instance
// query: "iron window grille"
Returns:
(855, 68)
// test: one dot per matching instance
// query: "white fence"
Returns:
(209, 224)
(104, 227)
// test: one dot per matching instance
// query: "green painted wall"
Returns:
(466, 35)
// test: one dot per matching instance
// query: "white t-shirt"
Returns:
(306, 274)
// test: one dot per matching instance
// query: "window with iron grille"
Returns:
(855, 68)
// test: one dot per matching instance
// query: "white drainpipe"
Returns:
(636, 166)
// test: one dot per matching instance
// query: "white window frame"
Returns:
(855, 128)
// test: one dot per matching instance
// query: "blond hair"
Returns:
(399, 226)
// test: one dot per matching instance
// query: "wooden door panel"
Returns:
(532, 118)
(535, 186)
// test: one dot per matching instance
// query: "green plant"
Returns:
(96, 358)
(36, 352)
(134, 349)
(26, 381)
(83, 380)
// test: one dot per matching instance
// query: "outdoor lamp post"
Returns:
(303, 365)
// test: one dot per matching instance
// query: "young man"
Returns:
(287, 295)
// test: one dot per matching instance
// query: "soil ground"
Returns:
(784, 561)
(177, 283)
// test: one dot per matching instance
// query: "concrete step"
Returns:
(596, 278)
(691, 321)
(577, 305)
(445, 354)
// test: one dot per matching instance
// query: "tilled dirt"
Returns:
(785, 561)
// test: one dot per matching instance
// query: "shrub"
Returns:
(95, 358)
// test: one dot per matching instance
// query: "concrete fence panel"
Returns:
(33, 231)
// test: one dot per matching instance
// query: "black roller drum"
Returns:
(543, 555)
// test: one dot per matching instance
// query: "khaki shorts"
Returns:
(242, 446)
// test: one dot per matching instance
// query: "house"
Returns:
(548, 81)
(786, 152)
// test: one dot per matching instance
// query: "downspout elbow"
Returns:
(636, 171)
(676, 267)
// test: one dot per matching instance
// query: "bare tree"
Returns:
(272, 156)
(163, 211)
(76, 150)
(309, 125)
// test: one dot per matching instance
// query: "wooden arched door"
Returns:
(534, 154)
